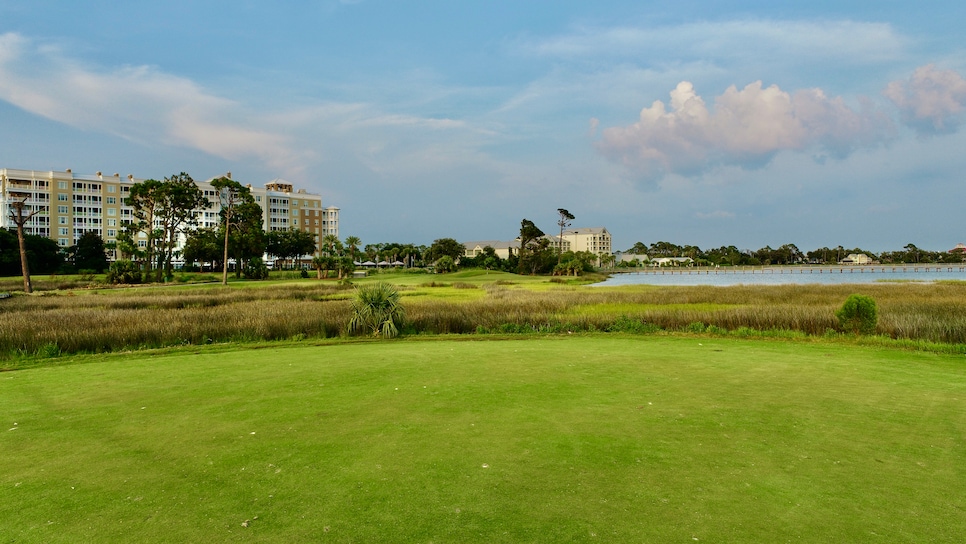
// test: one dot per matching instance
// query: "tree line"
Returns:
(787, 254)
(165, 210)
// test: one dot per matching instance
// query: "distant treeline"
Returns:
(790, 254)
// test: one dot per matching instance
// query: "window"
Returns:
(112, 188)
(62, 220)
(111, 211)
(112, 222)
(62, 242)
(295, 222)
(61, 209)
(142, 243)
(62, 197)
(111, 199)
(111, 233)
(63, 231)
(61, 184)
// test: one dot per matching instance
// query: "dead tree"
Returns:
(18, 203)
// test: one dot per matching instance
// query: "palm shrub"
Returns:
(124, 271)
(255, 269)
(859, 314)
(376, 310)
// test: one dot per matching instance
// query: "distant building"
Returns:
(672, 261)
(503, 250)
(621, 257)
(73, 204)
(857, 258)
(596, 240)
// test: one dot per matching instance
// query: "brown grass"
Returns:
(111, 320)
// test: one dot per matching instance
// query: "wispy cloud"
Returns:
(139, 103)
(146, 105)
(842, 40)
(717, 214)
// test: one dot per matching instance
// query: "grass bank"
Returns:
(578, 439)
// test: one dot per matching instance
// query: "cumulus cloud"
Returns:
(745, 127)
(931, 100)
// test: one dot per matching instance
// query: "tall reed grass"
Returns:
(96, 321)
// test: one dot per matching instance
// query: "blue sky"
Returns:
(694, 122)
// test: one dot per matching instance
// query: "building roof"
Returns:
(587, 230)
(495, 244)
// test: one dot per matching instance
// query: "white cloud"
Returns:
(717, 214)
(745, 127)
(138, 103)
(146, 105)
(849, 41)
(931, 100)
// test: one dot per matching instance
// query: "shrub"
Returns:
(445, 264)
(124, 271)
(255, 269)
(376, 310)
(695, 326)
(625, 323)
(859, 314)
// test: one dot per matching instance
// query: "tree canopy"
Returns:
(290, 244)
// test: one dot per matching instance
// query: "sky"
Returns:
(706, 123)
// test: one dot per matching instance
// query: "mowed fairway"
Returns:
(563, 439)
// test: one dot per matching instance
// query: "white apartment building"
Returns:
(71, 204)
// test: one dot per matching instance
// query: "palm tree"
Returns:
(345, 266)
(376, 309)
(322, 264)
(353, 243)
(564, 221)
(331, 244)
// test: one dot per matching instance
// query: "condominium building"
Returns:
(69, 205)
(596, 240)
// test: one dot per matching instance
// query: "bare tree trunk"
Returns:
(20, 220)
(224, 274)
(24, 265)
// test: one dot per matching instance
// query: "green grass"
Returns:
(564, 439)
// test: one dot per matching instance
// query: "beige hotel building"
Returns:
(71, 204)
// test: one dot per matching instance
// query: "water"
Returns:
(788, 275)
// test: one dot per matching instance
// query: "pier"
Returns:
(796, 269)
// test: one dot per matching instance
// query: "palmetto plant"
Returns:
(376, 310)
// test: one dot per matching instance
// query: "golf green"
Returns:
(559, 439)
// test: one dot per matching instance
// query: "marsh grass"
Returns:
(63, 322)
